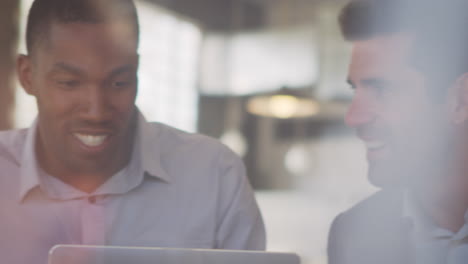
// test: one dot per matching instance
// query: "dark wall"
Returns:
(218, 15)
(8, 41)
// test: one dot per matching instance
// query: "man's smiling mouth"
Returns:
(91, 140)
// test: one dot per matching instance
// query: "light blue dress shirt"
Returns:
(179, 190)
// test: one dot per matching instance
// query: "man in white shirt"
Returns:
(409, 73)
(91, 170)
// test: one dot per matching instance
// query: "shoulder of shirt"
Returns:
(376, 209)
(173, 139)
(372, 231)
(11, 145)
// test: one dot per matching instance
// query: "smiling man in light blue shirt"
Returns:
(91, 170)
(409, 73)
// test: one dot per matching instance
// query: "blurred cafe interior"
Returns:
(266, 77)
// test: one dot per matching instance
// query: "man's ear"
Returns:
(24, 72)
(460, 100)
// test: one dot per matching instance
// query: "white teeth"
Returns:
(374, 144)
(91, 140)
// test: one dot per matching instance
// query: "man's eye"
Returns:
(121, 84)
(383, 90)
(68, 84)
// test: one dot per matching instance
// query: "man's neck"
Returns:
(87, 183)
(84, 177)
(446, 212)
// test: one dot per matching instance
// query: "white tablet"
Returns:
(77, 254)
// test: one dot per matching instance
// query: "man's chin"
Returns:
(385, 177)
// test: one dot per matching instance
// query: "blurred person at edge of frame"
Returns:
(91, 170)
(409, 73)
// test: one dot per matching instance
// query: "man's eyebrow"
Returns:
(122, 69)
(373, 82)
(351, 84)
(62, 66)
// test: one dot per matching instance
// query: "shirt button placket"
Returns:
(92, 222)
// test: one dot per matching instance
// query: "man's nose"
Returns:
(362, 111)
(97, 104)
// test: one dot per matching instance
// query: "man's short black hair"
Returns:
(439, 29)
(45, 12)
(362, 19)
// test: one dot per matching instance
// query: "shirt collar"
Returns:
(146, 160)
(149, 141)
(423, 224)
(29, 169)
(412, 212)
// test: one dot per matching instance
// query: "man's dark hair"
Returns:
(44, 13)
(363, 19)
(438, 28)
